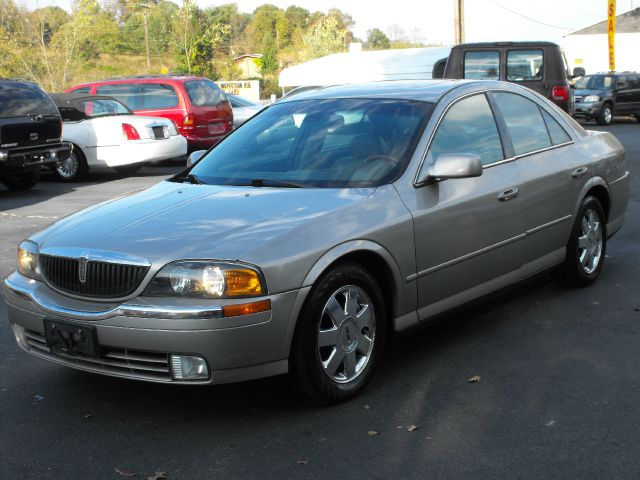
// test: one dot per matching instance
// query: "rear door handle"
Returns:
(580, 172)
(509, 194)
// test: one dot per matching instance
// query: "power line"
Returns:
(526, 17)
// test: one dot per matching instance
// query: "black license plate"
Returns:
(72, 339)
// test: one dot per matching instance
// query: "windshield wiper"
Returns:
(271, 182)
(189, 177)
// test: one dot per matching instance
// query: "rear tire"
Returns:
(22, 181)
(73, 168)
(587, 245)
(606, 115)
(339, 335)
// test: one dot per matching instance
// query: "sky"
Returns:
(431, 21)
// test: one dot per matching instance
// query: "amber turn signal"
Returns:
(246, 308)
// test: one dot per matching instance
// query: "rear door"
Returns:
(28, 117)
(552, 170)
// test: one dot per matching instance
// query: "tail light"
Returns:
(188, 122)
(130, 132)
(560, 92)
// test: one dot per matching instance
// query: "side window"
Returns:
(525, 124)
(524, 65)
(556, 132)
(469, 127)
(82, 91)
(125, 92)
(634, 81)
(154, 96)
(483, 65)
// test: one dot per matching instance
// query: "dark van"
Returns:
(540, 66)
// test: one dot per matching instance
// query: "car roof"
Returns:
(505, 44)
(149, 79)
(421, 90)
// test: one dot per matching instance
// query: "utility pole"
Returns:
(145, 16)
(458, 6)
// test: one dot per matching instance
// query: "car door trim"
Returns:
(550, 224)
(465, 257)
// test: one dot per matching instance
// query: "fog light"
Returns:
(3, 155)
(185, 367)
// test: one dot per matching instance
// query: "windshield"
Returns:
(319, 143)
(594, 82)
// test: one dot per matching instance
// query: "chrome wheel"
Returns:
(346, 334)
(590, 241)
(607, 115)
(69, 167)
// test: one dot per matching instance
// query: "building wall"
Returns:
(591, 52)
(248, 67)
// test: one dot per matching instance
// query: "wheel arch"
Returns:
(596, 187)
(373, 257)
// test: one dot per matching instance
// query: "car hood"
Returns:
(173, 221)
(583, 92)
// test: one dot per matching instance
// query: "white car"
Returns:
(106, 134)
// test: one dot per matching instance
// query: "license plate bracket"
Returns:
(70, 338)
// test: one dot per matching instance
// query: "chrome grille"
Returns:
(102, 279)
(116, 361)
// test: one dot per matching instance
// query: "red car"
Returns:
(200, 110)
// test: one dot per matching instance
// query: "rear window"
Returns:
(19, 99)
(204, 93)
(484, 65)
(142, 96)
(524, 65)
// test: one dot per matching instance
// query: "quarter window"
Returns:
(556, 132)
(469, 127)
(483, 65)
(526, 127)
(524, 65)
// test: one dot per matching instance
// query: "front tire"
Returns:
(587, 245)
(22, 181)
(339, 335)
(606, 115)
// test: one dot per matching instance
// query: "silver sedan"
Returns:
(305, 239)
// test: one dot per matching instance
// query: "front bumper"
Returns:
(587, 109)
(138, 337)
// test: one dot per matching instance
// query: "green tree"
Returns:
(324, 37)
(377, 40)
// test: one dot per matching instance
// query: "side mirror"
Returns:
(195, 156)
(452, 165)
(579, 72)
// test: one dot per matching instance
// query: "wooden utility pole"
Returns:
(458, 6)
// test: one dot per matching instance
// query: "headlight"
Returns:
(203, 279)
(591, 98)
(28, 264)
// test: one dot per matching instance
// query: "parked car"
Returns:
(306, 237)
(601, 96)
(105, 133)
(243, 109)
(198, 107)
(540, 66)
(30, 134)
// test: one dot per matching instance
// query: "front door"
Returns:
(468, 232)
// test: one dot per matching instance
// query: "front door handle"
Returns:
(509, 194)
(580, 172)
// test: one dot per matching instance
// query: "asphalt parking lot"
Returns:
(558, 394)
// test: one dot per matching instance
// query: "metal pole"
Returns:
(458, 6)
(146, 41)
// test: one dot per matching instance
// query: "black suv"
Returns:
(540, 66)
(601, 96)
(30, 134)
